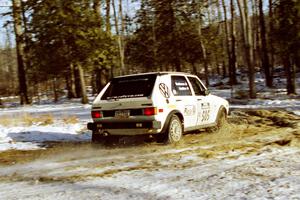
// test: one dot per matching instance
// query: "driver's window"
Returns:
(197, 86)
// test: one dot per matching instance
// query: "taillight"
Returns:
(96, 114)
(150, 111)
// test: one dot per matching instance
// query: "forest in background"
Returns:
(69, 45)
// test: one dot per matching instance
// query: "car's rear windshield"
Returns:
(130, 87)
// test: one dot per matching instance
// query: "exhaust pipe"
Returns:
(105, 133)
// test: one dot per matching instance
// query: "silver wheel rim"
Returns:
(175, 130)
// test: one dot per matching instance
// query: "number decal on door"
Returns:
(205, 112)
(205, 115)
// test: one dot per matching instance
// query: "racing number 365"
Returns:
(205, 114)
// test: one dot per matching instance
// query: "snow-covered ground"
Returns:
(20, 136)
(273, 174)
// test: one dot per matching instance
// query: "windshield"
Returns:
(130, 87)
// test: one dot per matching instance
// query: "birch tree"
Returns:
(202, 46)
(119, 33)
(20, 45)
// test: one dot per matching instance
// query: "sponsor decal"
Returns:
(189, 110)
(171, 106)
(164, 90)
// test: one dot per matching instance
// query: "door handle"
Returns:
(199, 99)
(178, 100)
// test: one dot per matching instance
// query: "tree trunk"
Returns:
(264, 49)
(26, 38)
(290, 74)
(271, 30)
(77, 82)
(102, 78)
(107, 18)
(17, 15)
(97, 10)
(202, 46)
(227, 40)
(194, 68)
(255, 33)
(232, 72)
(120, 37)
(84, 98)
(54, 87)
(124, 71)
(224, 72)
(247, 42)
(37, 90)
(70, 82)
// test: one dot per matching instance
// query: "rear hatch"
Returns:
(126, 97)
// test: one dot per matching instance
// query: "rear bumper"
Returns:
(104, 126)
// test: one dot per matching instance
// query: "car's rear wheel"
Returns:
(96, 137)
(174, 131)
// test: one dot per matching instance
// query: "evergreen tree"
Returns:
(287, 33)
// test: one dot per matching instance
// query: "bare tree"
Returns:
(20, 45)
(247, 43)
(264, 49)
(271, 30)
(119, 33)
(84, 98)
(97, 9)
(122, 32)
(232, 64)
(226, 35)
(107, 18)
(202, 46)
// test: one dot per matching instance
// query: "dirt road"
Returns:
(256, 155)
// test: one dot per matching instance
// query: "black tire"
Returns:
(222, 117)
(174, 131)
(105, 140)
(96, 138)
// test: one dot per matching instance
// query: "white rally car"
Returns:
(162, 104)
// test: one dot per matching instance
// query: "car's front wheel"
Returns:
(220, 121)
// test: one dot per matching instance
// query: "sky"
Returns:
(4, 7)
(129, 7)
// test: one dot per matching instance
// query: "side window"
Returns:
(197, 86)
(180, 86)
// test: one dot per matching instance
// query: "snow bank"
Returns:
(33, 137)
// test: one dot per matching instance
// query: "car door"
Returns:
(184, 100)
(203, 102)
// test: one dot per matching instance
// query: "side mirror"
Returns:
(206, 92)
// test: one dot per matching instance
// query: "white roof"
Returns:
(158, 73)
